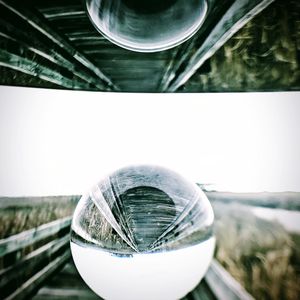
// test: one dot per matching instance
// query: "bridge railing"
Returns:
(29, 258)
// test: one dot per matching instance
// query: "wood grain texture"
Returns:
(212, 60)
(28, 237)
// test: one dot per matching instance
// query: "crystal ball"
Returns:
(147, 26)
(143, 232)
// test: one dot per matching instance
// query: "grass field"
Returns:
(260, 254)
(17, 214)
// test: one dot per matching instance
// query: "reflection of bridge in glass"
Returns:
(54, 44)
(37, 264)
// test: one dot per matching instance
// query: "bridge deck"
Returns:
(66, 284)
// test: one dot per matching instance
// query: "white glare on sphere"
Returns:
(143, 232)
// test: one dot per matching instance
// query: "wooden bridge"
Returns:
(37, 264)
(53, 44)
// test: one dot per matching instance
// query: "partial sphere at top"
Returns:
(147, 26)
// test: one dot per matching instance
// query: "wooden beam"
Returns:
(223, 285)
(61, 12)
(40, 24)
(171, 69)
(21, 202)
(66, 293)
(24, 65)
(183, 52)
(31, 263)
(35, 281)
(48, 57)
(31, 236)
(238, 14)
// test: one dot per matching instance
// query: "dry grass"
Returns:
(16, 219)
(262, 56)
(260, 254)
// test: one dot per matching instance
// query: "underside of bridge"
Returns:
(243, 45)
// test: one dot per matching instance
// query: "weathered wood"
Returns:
(60, 13)
(41, 25)
(19, 63)
(67, 284)
(50, 56)
(29, 264)
(64, 293)
(202, 292)
(74, 288)
(42, 65)
(239, 13)
(60, 10)
(34, 282)
(107, 56)
(223, 285)
(29, 237)
(6, 202)
(183, 53)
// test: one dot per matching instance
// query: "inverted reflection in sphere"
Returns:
(143, 232)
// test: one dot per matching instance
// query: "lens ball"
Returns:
(143, 232)
(147, 26)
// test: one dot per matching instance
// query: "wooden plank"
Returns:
(182, 53)
(70, 269)
(24, 65)
(169, 72)
(83, 32)
(67, 284)
(39, 23)
(60, 9)
(217, 284)
(34, 282)
(239, 13)
(31, 236)
(28, 265)
(68, 277)
(65, 13)
(63, 293)
(30, 42)
(6, 202)
(202, 292)
(223, 285)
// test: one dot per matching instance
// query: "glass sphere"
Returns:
(143, 232)
(147, 26)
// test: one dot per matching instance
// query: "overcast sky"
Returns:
(62, 142)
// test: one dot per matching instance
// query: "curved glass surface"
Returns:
(143, 232)
(147, 26)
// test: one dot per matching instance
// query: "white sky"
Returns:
(62, 142)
